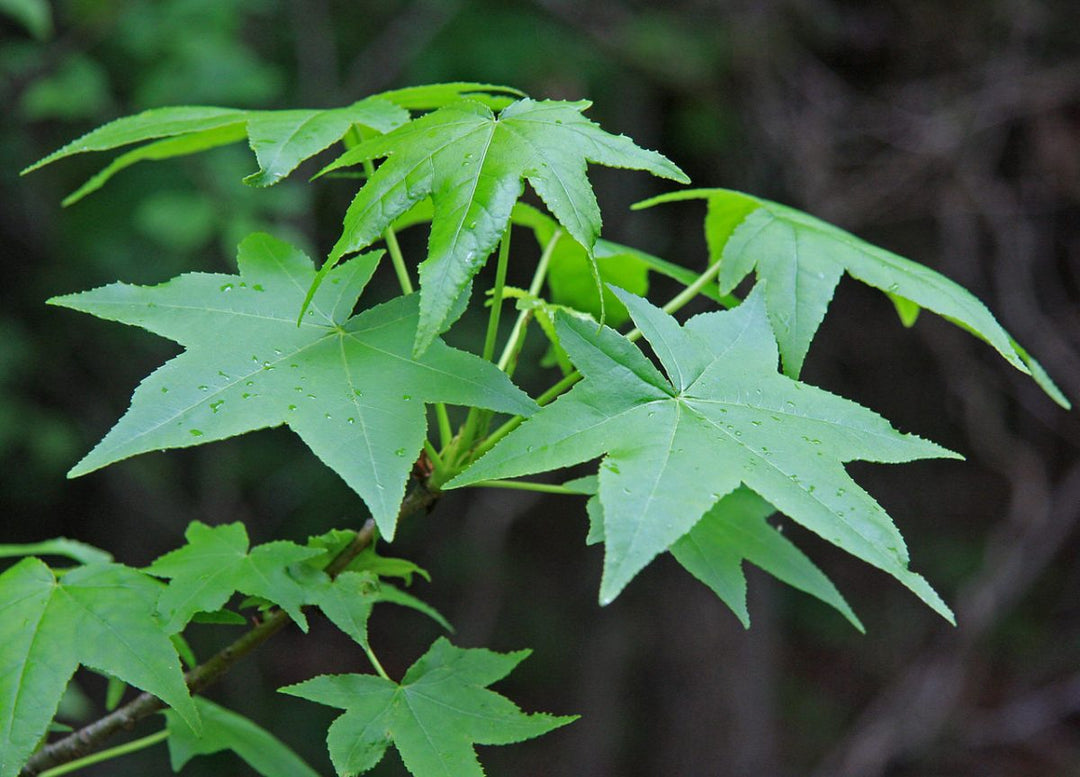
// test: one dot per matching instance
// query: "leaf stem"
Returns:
(517, 334)
(683, 297)
(375, 663)
(392, 245)
(526, 485)
(497, 296)
(106, 755)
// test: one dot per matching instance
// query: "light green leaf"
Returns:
(350, 387)
(429, 96)
(723, 416)
(473, 166)
(100, 616)
(227, 730)
(61, 546)
(800, 259)
(735, 529)
(434, 717)
(215, 563)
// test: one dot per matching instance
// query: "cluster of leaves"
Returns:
(696, 452)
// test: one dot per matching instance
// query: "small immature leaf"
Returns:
(800, 260)
(473, 166)
(350, 387)
(227, 730)
(434, 717)
(723, 416)
(101, 616)
(216, 563)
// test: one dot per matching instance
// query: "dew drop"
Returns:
(894, 286)
(358, 392)
(204, 388)
(249, 383)
(311, 396)
(399, 452)
(350, 420)
(472, 225)
(195, 432)
(298, 388)
(226, 287)
(756, 423)
(215, 406)
(840, 492)
(258, 287)
(164, 390)
(292, 407)
(406, 397)
(327, 416)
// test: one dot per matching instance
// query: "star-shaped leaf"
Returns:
(281, 140)
(215, 563)
(723, 416)
(473, 166)
(350, 387)
(441, 708)
(800, 259)
(101, 616)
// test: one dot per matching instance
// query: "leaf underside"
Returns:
(349, 386)
(674, 446)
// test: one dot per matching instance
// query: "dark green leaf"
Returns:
(226, 730)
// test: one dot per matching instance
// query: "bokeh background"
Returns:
(948, 132)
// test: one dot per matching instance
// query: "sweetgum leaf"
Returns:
(473, 166)
(350, 387)
(281, 140)
(723, 416)
(434, 717)
(224, 729)
(101, 616)
(800, 260)
(347, 601)
(215, 563)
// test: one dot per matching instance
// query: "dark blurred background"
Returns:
(948, 132)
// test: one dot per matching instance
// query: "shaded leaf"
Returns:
(349, 386)
(473, 165)
(61, 546)
(101, 616)
(227, 730)
(723, 416)
(434, 717)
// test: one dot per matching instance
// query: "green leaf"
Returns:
(227, 730)
(350, 387)
(722, 416)
(100, 616)
(281, 140)
(434, 717)
(473, 164)
(215, 563)
(347, 601)
(735, 529)
(800, 259)
(61, 546)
